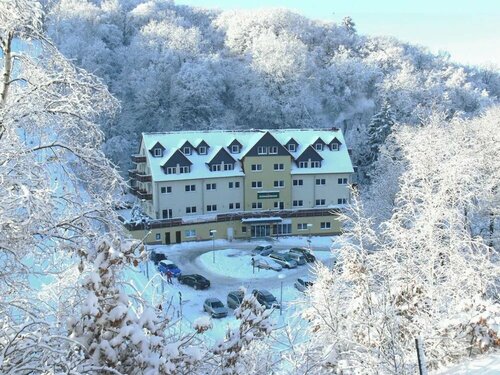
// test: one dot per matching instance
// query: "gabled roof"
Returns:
(186, 144)
(222, 156)
(177, 158)
(157, 145)
(266, 140)
(309, 153)
(292, 141)
(201, 144)
(319, 140)
(235, 142)
(335, 140)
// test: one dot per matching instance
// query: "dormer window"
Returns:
(291, 147)
(302, 164)
(215, 168)
(235, 149)
(318, 146)
(158, 152)
(170, 170)
(228, 167)
(185, 169)
(202, 150)
(315, 164)
(186, 150)
(335, 146)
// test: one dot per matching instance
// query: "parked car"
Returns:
(157, 257)
(299, 258)
(266, 299)
(283, 260)
(194, 280)
(302, 284)
(166, 265)
(305, 252)
(267, 264)
(215, 308)
(263, 250)
(235, 298)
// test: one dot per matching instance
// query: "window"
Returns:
(279, 184)
(298, 203)
(282, 228)
(202, 150)
(190, 233)
(261, 150)
(315, 164)
(302, 164)
(215, 167)
(320, 181)
(186, 150)
(228, 167)
(335, 146)
(279, 167)
(235, 149)
(237, 205)
(256, 205)
(325, 225)
(342, 201)
(166, 214)
(301, 226)
(231, 185)
(279, 205)
(256, 184)
(231, 206)
(298, 182)
(211, 207)
(243, 229)
(170, 170)
(158, 152)
(342, 181)
(273, 150)
(318, 146)
(320, 202)
(256, 167)
(166, 189)
(190, 188)
(237, 184)
(191, 210)
(291, 147)
(211, 186)
(185, 169)
(158, 236)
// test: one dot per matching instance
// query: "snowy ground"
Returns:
(486, 365)
(231, 270)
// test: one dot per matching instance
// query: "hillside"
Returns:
(177, 67)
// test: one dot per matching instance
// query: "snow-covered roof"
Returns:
(333, 161)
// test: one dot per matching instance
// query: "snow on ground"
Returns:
(231, 270)
(485, 365)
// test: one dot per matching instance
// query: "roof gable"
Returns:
(222, 156)
(157, 145)
(235, 142)
(202, 144)
(267, 140)
(319, 140)
(291, 141)
(309, 153)
(177, 158)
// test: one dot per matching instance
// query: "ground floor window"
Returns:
(301, 226)
(325, 225)
(158, 236)
(261, 230)
(282, 229)
(190, 233)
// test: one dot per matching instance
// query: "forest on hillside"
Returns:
(176, 67)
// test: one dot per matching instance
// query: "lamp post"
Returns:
(309, 226)
(281, 277)
(212, 234)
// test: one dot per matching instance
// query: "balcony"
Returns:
(143, 177)
(132, 173)
(138, 158)
(142, 194)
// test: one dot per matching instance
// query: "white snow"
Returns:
(486, 365)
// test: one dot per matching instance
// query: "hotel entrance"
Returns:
(260, 230)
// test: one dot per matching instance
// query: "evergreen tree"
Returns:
(379, 129)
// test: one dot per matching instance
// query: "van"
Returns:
(283, 260)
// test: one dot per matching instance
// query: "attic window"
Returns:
(185, 169)
(318, 146)
(186, 150)
(291, 147)
(302, 164)
(335, 146)
(273, 150)
(261, 150)
(315, 164)
(202, 150)
(235, 149)
(158, 152)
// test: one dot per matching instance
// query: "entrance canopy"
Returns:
(260, 220)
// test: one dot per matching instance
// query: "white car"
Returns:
(302, 284)
(266, 264)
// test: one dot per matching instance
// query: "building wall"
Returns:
(267, 176)
(309, 192)
(203, 230)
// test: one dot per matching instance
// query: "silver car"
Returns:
(283, 260)
(234, 299)
(302, 284)
(299, 258)
(266, 264)
(215, 308)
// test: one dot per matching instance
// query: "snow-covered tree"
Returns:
(379, 129)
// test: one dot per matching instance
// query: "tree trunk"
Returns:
(7, 68)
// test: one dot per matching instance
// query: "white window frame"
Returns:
(235, 149)
(258, 184)
(325, 225)
(279, 167)
(335, 146)
(158, 236)
(273, 150)
(280, 184)
(171, 170)
(202, 150)
(158, 152)
(318, 147)
(322, 202)
(256, 167)
(299, 182)
(186, 150)
(291, 147)
(189, 188)
(185, 169)
(237, 205)
(211, 186)
(315, 164)
(261, 150)
(256, 205)
(301, 226)
(321, 181)
(303, 164)
(190, 233)
(298, 203)
(343, 181)
(228, 167)
(342, 201)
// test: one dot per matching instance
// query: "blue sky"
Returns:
(468, 29)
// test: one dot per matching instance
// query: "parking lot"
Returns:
(228, 266)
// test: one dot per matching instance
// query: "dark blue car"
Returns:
(165, 265)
